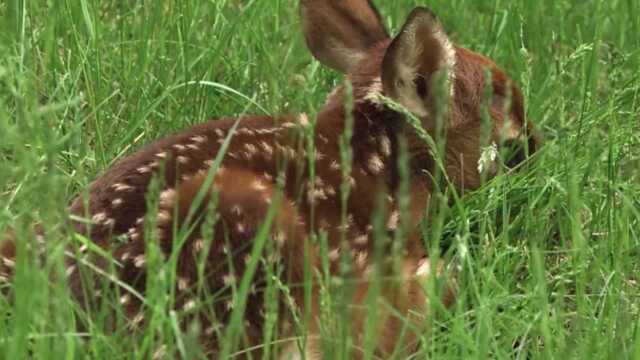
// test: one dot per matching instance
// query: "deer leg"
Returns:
(400, 309)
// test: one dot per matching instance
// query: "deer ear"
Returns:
(420, 50)
(340, 32)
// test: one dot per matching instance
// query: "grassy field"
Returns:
(548, 258)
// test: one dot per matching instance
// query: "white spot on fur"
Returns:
(267, 131)
(182, 159)
(347, 225)
(198, 245)
(240, 227)
(183, 283)
(244, 131)
(266, 148)
(125, 299)
(228, 280)
(287, 151)
(361, 240)
(161, 155)
(335, 165)
(125, 256)
(193, 147)
(70, 270)
(117, 202)
(199, 139)
(334, 254)
(167, 197)
(179, 147)
(139, 261)
(189, 305)
(394, 219)
(99, 218)
(237, 210)
(122, 187)
(258, 185)
(144, 170)
(163, 217)
(315, 194)
(375, 164)
(9, 263)
(330, 190)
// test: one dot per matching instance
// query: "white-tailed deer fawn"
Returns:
(267, 164)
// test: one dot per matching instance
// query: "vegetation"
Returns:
(547, 257)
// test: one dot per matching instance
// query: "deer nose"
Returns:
(514, 152)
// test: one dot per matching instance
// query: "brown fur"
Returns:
(267, 154)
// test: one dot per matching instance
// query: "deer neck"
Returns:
(375, 143)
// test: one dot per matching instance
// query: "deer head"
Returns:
(440, 83)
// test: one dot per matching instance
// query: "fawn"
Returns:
(267, 164)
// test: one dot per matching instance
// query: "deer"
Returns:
(256, 172)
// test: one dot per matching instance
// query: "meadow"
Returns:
(547, 257)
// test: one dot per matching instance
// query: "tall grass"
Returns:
(548, 257)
